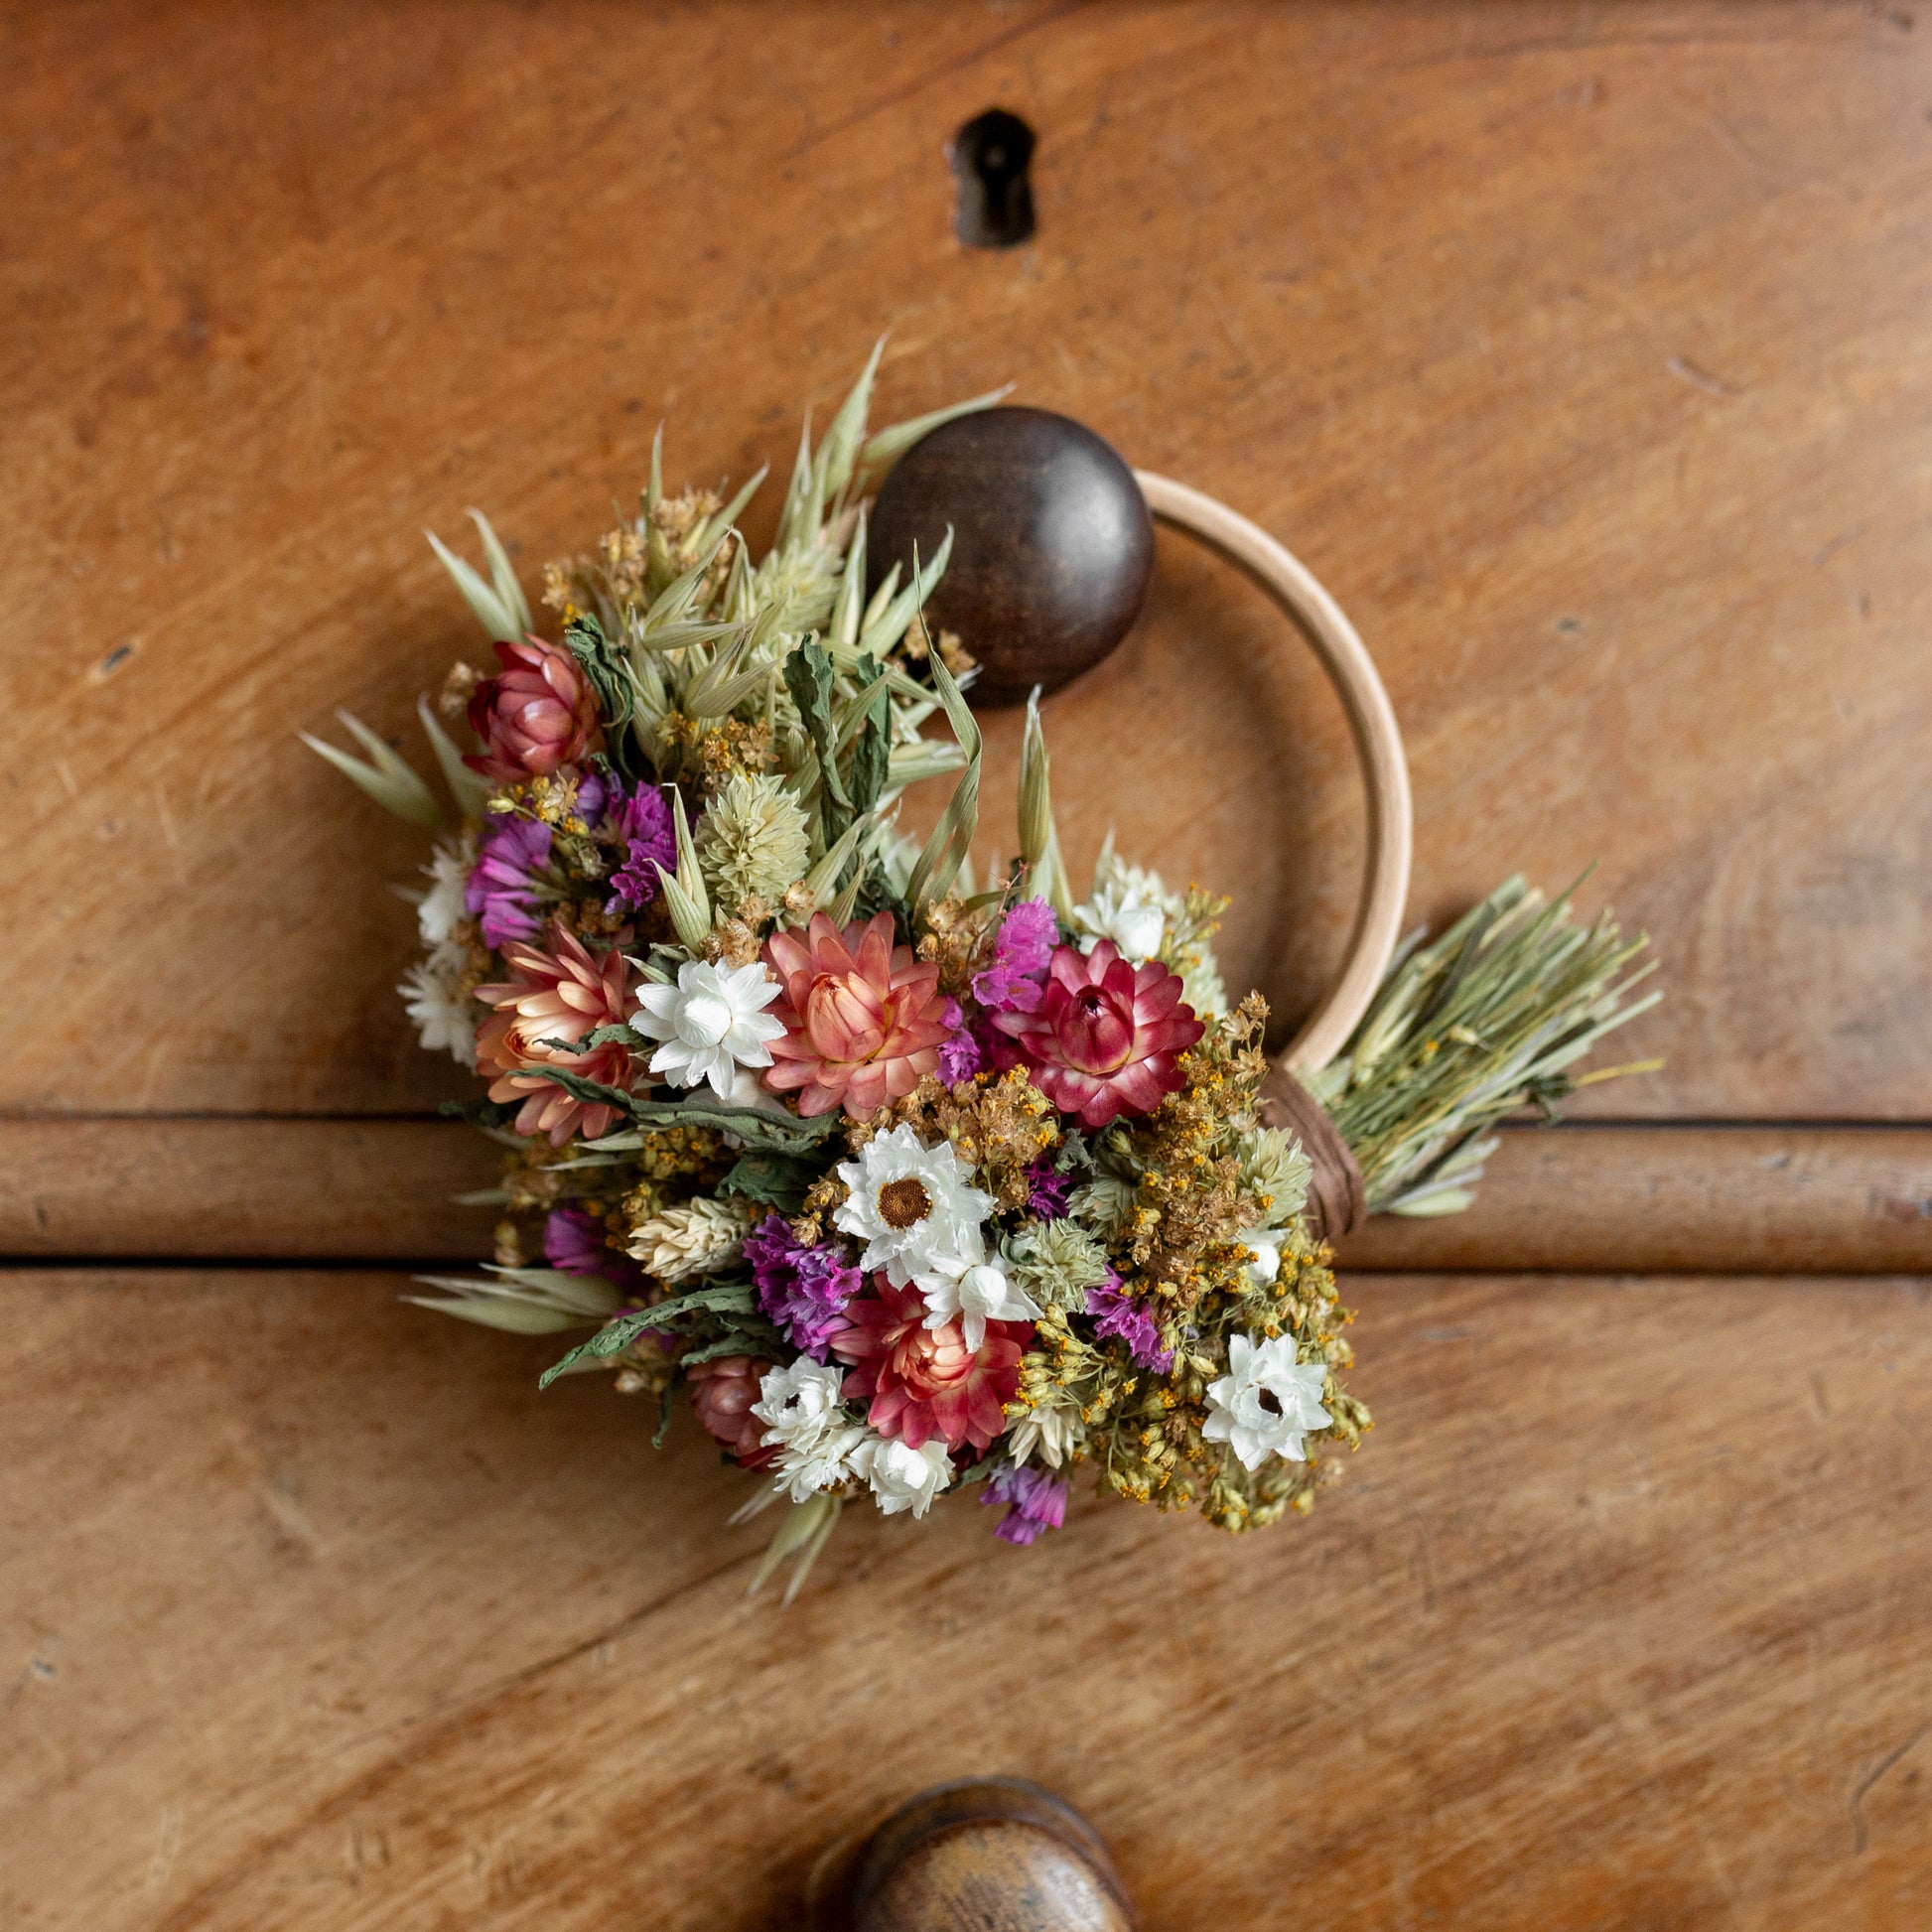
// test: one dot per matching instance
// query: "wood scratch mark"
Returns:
(170, 836)
(291, 1521)
(1838, 543)
(1861, 1835)
(944, 70)
(167, 1848)
(1711, 385)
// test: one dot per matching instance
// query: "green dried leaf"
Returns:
(891, 444)
(499, 618)
(503, 576)
(809, 677)
(470, 792)
(593, 1092)
(609, 674)
(952, 838)
(387, 777)
(732, 1298)
(778, 1181)
(754, 1127)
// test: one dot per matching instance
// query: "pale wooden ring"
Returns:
(1378, 745)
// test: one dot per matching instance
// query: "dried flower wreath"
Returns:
(909, 1183)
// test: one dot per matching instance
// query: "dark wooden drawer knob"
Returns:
(991, 1856)
(1053, 544)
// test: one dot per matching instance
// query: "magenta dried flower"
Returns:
(802, 1288)
(1023, 948)
(960, 1054)
(1036, 1502)
(640, 824)
(1118, 1315)
(501, 893)
(574, 1244)
(1047, 1191)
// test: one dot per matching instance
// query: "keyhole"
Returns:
(989, 157)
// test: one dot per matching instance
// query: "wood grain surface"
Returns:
(1582, 351)
(316, 1614)
(1591, 1198)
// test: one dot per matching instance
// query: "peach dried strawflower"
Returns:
(864, 1019)
(563, 995)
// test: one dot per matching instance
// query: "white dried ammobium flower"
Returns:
(693, 1239)
(1128, 906)
(1266, 1402)
(441, 909)
(710, 1023)
(902, 1476)
(1264, 1247)
(976, 1291)
(753, 840)
(800, 1406)
(437, 1000)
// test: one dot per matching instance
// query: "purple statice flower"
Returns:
(1118, 1314)
(641, 825)
(1047, 1191)
(501, 891)
(960, 1054)
(1021, 949)
(1036, 1502)
(802, 1288)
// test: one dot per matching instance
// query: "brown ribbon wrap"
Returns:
(1338, 1201)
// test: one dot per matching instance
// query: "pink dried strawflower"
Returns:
(1106, 1035)
(560, 995)
(864, 1020)
(538, 714)
(925, 1382)
(722, 1393)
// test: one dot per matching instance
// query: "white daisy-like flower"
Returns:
(1265, 1245)
(1266, 1402)
(435, 998)
(1050, 1429)
(1128, 906)
(800, 1406)
(902, 1476)
(914, 1207)
(977, 1292)
(441, 909)
(711, 1023)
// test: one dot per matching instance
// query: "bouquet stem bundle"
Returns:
(1475, 1025)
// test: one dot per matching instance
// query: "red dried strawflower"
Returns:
(538, 714)
(722, 1394)
(1106, 1035)
(925, 1382)
(864, 1020)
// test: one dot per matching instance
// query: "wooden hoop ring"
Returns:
(1292, 586)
